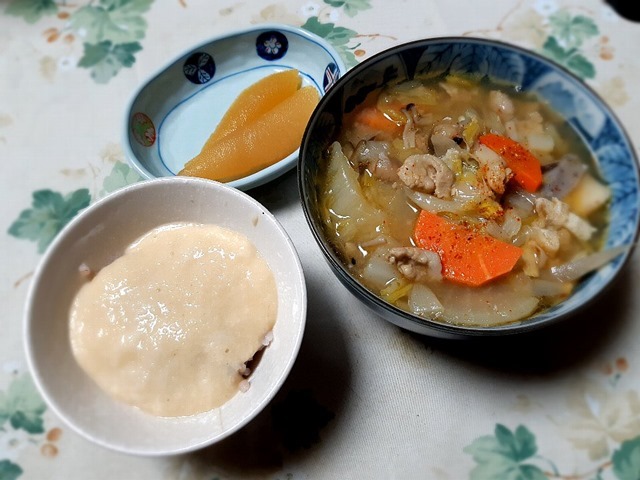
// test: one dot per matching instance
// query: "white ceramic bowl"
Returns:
(96, 237)
(171, 115)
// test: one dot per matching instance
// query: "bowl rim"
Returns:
(428, 326)
(255, 179)
(36, 283)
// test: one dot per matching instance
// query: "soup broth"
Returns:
(461, 201)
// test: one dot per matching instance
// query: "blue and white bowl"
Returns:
(170, 117)
(500, 62)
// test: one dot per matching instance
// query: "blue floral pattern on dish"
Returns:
(331, 75)
(271, 45)
(199, 67)
(489, 62)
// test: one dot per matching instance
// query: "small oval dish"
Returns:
(99, 235)
(169, 118)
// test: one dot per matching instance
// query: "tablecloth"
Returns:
(365, 399)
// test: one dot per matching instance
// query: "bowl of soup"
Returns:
(143, 329)
(464, 187)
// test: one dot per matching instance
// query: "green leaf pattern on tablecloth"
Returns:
(514, 455)
(351, 7)
(50, 211)
(115, 21)
(121, 175)
(503, 455)
(9, 470)
(626, 460)
(339, 37)
(21, 409)
(568, 35)
(32, 10)
(22, 406)
(111, 31)
(105, 59)
(508, 455)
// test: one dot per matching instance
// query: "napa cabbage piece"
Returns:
(572, 271)
(378, 273)
(396, 97)
(497, 303)
(353, 217)
(422, 301)
(399, 212)
(397, 289)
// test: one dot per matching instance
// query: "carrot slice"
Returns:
(375, 119)
(270, 138)
(467, 256)
(526, 168)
